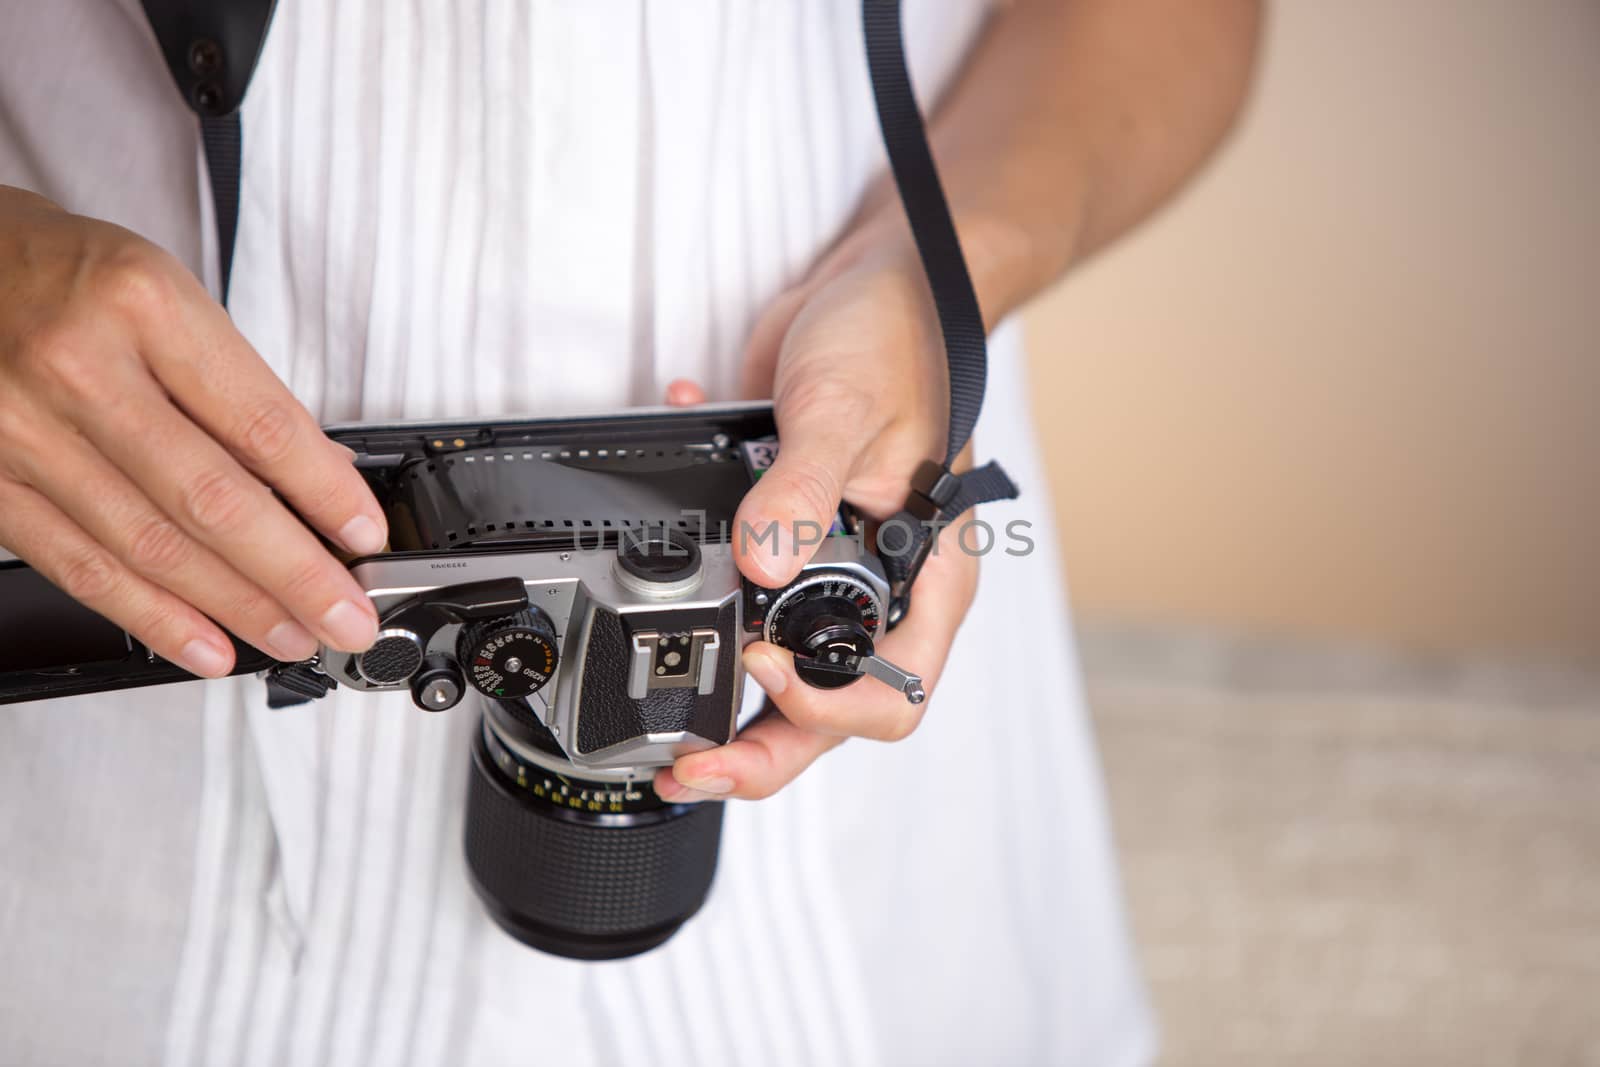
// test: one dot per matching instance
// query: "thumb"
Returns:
(791, 508)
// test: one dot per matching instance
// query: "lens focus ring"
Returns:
(586, 887)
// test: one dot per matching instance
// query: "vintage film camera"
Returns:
(578, 575)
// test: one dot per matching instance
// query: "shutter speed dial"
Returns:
(828, 621)
(511, 657)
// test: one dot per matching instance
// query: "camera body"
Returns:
(577, 577)
(586, 568)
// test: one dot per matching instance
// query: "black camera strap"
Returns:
(212, 47)
(938, 495)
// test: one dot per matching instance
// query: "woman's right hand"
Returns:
(140, 435)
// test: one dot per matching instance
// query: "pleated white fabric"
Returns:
(500, 207)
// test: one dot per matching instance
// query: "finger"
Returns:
(61, 551)
(101, 501)
(776, 749)
(682, 393)
(215, 377)
(920, 644)
(216, 501)
(823, 431)
(766, 756)
(766, 341)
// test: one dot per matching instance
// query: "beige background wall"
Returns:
(1350, 384)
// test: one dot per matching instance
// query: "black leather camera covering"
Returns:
(608, 716)
(52, 646)
(44, 630)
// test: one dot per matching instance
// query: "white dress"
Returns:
(527, 206)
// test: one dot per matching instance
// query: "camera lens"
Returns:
(582, 868)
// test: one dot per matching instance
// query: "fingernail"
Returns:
(362, 536)
(767, 672)
(766, 544)
(720, 786)
(291, 642)
(203, 658)
(349, 627)
(347, 450)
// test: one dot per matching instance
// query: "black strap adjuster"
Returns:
(939, 497)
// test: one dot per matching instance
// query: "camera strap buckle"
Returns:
(938, 497)
(292, 684)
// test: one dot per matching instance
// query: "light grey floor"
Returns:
(1343, 857)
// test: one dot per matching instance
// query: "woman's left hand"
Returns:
(854, 362)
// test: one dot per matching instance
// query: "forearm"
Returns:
(1071, 122)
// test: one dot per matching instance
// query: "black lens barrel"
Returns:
(582, 884)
